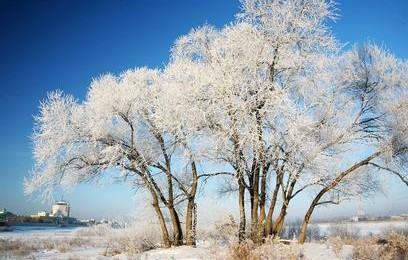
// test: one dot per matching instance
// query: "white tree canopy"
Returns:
(271, 94)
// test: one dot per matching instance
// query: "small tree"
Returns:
(121, 125)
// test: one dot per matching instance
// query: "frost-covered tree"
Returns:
(135, 126)
(254, 69)
(124, 125)
(286, 108)
(375, 83)
(271, 100)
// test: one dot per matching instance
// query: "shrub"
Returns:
(275, 250)
(270, 250)
(243, 251)
(401, 230)
(392, 247)
(133, 239)
(63, 247)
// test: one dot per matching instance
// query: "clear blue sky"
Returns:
(45, 45)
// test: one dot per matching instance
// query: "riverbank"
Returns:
(141, 240)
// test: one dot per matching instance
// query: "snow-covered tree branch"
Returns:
(271, 99)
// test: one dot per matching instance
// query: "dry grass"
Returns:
(336, 244)
(271, 250)
(402, 230)
(62, 245)
(10, 247)
(275, 250)
(63, 248)
(244, 251)
(48, 244)
(131, 247)
(393, 247)
(130, 240)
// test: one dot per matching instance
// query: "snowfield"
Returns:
(96, 247)
(102, 242)
(365, 228)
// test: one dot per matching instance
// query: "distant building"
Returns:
(358, 218)
(40, 214)
(4, 214)
(361, 216)
(60, 209)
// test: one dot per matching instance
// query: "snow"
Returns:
(271, 93)
(318, 251)
(365, 228)
(78, 253)
(34, 231)
(96, 248)
(186, 252)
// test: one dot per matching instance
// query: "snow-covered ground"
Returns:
(97, 249)
(364, 228)
(312, 251)
(85, 243)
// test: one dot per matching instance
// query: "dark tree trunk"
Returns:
(262, 210)
(242, 219)
(254, 209)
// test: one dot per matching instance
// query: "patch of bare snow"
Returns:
(317, 251)
(203, 251)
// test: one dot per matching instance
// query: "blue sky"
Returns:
(48, 45)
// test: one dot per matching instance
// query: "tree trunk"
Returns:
(195, 225)
(272, 208)
(254, 210)
(241, 184)
(306, 219)
(278, 225)
(262, 211)
(191, 214)
(190, 241)
(258, 162)
(242, 220)
(155, 203)
(162, 222)
(177, 231)
(175, 220)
